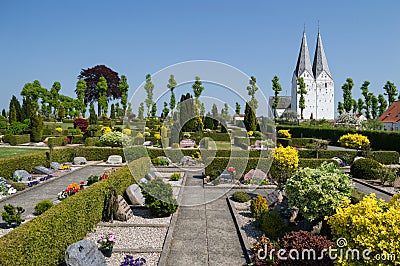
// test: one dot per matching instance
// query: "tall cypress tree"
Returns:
(250, 119)
(17, 106)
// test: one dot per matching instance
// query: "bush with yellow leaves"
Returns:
(284, 133)
(370, 224)
(354, 141)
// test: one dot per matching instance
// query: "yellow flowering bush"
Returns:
(250, 133)
(284, 133)
(354, 141)
(59, 130)
(286, 158)
(127, 131)
(105, 130)
(370, 224)
(157, 136)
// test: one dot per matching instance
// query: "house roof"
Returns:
(284, 101)
(392, 114)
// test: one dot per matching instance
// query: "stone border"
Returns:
(169, 237)
(76, 168)
(374, 187)
(242, 235)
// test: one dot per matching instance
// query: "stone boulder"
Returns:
(188, 161)
(42, 170)
(114, 159)
(134, 193)
(255, 174)
(55, 165)
(84, 253)
(80, 160)
(22, 175)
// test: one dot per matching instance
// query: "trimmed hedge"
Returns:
(242, 165)
(19, 139)
(56, 141)
(385, 157)
(380, 140)
(92, 141)
(217, 136)
(22, 162)
(43, 240)
(314, 163)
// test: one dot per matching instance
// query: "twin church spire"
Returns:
(320, 63)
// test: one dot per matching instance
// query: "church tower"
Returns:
(319, 100)
(325, 104)
(304, 70)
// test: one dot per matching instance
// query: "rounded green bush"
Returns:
(258, 206)
(175, 177)
(18, 186)
(159, 198)
(271, 223)
(363, 169)
(43, 206)
(240, 196)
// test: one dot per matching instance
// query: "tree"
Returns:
(391, 92)
(102, 102)
(347, 98)
(354, 104)
(92, 115)
(112, 111)
(171, 85)
(360, 106)
(92, 76)
(302, 90)
(123, 87)
(251, 90)
(154, 110)
(55, 95)
(367, 99)
(374, 106)
(165, 111)
(250, 119)
(197, 90)
(225, 112)
(15, 115)
(141, 111)
(36, 128)
(214, 111)
(61, 112)
(382, 104)
(129, 110)
(149, 86)
(340, 108)
(277, 88)
(237, 109)
(32, 92)
(4, 113)
(80, 95)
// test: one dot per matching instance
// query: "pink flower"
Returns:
(231, 169)
(111, 237)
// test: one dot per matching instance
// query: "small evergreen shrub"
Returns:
(43, 206)
(92, 179)
(271, 223)
(240, 196)
(12, 214)
(159, 198)
(175, 177)
(160, 162)
(175, 145)
(258, 206)
(363, 169)
(18, 186)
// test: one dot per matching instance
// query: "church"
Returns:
(319, 100)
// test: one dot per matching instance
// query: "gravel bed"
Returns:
(240, 205)
(133, 237)
(4, 231)
(143, 216)
(245, 221)
(118, 257)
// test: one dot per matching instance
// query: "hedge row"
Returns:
(314, 163)
(43, 240)
(384, 157)
(380, 140)
(217, 136)
(56, 141)
(18, 139)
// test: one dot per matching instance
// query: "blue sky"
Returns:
(53, 40)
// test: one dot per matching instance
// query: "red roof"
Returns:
(392, 114)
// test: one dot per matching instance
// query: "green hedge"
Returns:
(284, 142)
(43, 240)
(19, 139)
(77, 139)
(56, 141)
(385, 157)
(92, 141)
(380, 140)
(242, 165)
(314, 163)
(22, 162)
(217, 136)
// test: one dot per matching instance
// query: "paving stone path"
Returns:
(204, 234)
(50, 189)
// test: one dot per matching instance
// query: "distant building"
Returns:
(319, 100)
(237, 118)
(283, 105)
(391, 117)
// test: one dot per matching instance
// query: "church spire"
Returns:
(303, 62)
(320, 63)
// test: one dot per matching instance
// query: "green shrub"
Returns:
(160, 162)
(363, 169)
(92, 141)
(36, 128)
(12, 214)
(217, 136)
(92, 179)
(175, 177)
(175, 145)
(314, 163)
(159, 198)
(43, 206)
(46, 237)
(19, 139)
(56, 141)
(112, 139)
(385, 157)
(258, 206)
(77, 139)
(317, 192)
(240, 196)
(271, 223)
(18, 186)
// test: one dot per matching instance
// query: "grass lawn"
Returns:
(9, 151)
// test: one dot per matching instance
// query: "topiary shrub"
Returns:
(12, 214)
(370, 224)
(112, 139)
(258, 206)
(159, 198)
(82, 124)
(354, 141)
(271, 223)
(43, 206)
(363, 168)
(317, 192)
(240, 196)
(175, 177)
